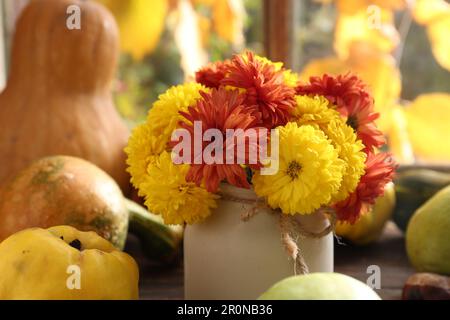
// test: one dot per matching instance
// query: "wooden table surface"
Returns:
(166, 282)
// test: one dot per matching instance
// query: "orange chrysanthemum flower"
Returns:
(341, 90)
(265, 88)
(212, 74)
(221, 109)
(380, 169)
(361, 118)
(353, 101)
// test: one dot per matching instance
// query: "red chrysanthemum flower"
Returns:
(221, 109)
(341, 90)
(265, 89)
(353, 101)
(380, 169)
(212, 74)
(361, 118)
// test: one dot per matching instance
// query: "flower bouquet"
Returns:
(249, 139)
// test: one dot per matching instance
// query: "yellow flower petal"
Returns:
(309, 175)
(318, 112)
(164, 116)
(142, 150)
(290, 78)
(169, 194)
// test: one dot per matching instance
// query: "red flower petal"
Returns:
(380, 169)
(221, 109)
(266, 91)
(353, 101)
(212, 74)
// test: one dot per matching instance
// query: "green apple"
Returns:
(320, 286)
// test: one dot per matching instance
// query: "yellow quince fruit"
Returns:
(62, 263)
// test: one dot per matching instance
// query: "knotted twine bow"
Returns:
(291, 230)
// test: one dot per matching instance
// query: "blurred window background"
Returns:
(399, 47)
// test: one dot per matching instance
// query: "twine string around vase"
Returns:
(290, 244)
(291, 229)
(246, 215)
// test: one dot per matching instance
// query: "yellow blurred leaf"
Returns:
(372, 25)
(204, 25)
(426, 11)
(188, 39)
(330, 65)
(438, 33)
(228, 18)
(204, 2)
(428, 126)
(378, 70)
(391, 4)
(353, 6)
(141, 23)
(398, 138)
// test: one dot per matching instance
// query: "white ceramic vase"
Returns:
(226, 258)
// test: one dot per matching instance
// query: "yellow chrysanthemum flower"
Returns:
(167, 193)
(309, 175)
(290, 78)
(164, 116)
(314, 110)
(318, 111)
(151, 138)
(349, 149)
(142, 150)
(277, 65)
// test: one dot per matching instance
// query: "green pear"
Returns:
(428, 235)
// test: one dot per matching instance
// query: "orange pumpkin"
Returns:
(58, 96)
